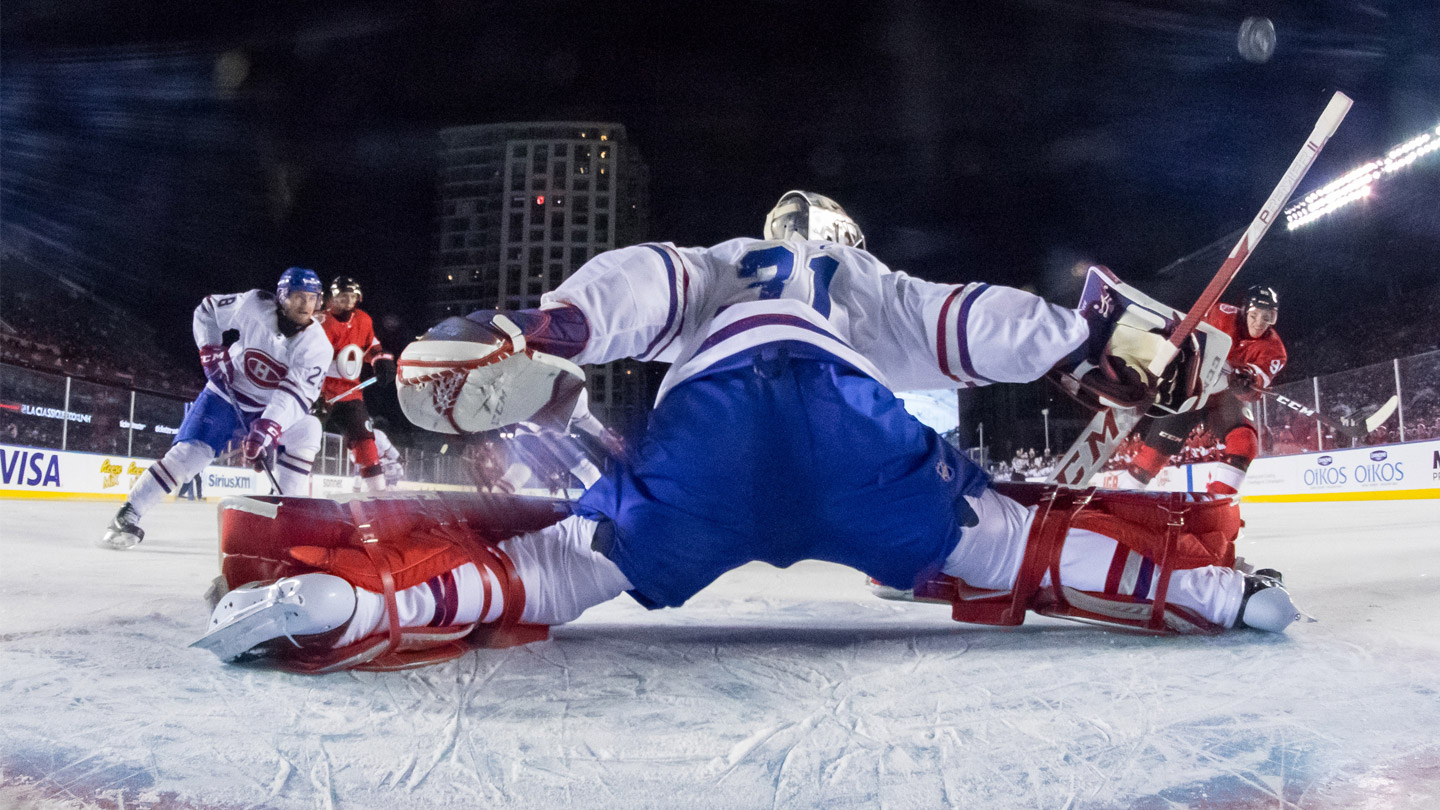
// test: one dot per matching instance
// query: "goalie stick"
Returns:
(1097, 442)
(1352, 426)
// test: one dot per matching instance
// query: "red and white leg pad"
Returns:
(1153, 535)
(432, 581)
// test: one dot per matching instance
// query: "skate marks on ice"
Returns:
(772, 689)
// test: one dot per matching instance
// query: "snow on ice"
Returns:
(773, 688)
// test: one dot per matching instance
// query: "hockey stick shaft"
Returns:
(1097, 443)
(240, 418)
(1324, 128)
(1353, 427)
(347, 392)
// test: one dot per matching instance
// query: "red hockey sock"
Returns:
(364, 453)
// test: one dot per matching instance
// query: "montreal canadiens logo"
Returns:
(1379, 455)
(262, 369)
(1325, 461)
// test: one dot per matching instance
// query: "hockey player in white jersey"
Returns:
(776, 437)
(265, 354)
(389, 456)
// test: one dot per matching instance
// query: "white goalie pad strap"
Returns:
(462, 387)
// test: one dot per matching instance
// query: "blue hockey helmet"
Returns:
(298, 279)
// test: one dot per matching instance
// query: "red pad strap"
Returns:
(1174, 530)
(369, 542)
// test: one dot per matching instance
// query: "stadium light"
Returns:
(1357, 183)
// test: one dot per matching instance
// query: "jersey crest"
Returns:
(262, 369)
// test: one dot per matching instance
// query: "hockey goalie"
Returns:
(776, 437)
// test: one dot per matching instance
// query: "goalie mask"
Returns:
(812, 216)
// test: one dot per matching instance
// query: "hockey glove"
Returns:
(1128, 331)
(384, 368)
(215, 360)
(256, 446)
(1242, 381)
(470, 375)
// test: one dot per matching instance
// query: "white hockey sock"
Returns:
(181, 462)
(562, 575)
(450, 599)
(292, 473)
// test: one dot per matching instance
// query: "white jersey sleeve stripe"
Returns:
(659, 344)
(952, 342)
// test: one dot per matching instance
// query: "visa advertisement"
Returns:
(36, 472)
(30, 472)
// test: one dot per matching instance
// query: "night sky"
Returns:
(162, 151)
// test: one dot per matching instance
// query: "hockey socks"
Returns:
(181, 462)
(455, 597)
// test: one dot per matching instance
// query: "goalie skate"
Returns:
(259, 612)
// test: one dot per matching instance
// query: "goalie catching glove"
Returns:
(473, 374)
(1128, 330)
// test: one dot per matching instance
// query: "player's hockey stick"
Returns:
(1110, 426)
(1352, 426)
(240, 418)
(347, 392)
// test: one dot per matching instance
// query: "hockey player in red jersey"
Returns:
(1256, 357)
(352, 333)
(777, 437)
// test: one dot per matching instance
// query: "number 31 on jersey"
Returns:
(776, 270)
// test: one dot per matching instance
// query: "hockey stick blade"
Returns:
(1375, 420)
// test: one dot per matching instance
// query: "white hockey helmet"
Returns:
(812, 216)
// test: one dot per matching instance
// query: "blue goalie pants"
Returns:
(784, 454)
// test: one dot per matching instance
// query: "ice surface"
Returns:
(772, 688)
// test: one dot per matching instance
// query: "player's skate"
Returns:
(1266, 604)
(124, 530)
(260, 611)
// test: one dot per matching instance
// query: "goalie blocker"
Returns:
(292, 569)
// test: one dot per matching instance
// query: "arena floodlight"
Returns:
(1358, 183)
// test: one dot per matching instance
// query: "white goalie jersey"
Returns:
(694, 307)
(270, 373)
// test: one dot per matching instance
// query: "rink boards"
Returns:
(29, 472)
(1386, 472)
(1381, 472)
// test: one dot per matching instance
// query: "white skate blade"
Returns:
(118, 541)
(243, 632)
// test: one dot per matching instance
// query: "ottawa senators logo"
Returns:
(262, 369)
